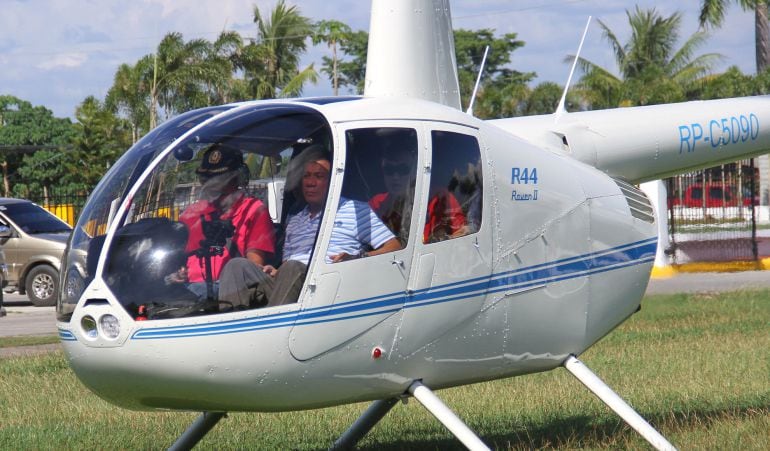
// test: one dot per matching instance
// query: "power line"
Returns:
(516, 10)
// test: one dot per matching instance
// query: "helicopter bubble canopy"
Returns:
(141, 230)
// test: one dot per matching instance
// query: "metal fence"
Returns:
(713, 214)
(65, 204)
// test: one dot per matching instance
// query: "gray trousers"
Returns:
(245, 285)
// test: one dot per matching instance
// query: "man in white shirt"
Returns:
(356, 227)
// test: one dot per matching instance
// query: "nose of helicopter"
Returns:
(217, 373)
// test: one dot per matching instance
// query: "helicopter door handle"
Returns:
(399, 263)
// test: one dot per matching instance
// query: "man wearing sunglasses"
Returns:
(394, 206)
(444, 219)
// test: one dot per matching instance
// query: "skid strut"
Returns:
(614, 402)
(200, 427)
(364, 423)
(446, 416)
(378, 409)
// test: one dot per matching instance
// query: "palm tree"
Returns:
(129, 98)
(651, 69)
(180, 76)
(332, 32)
(353, 72)
(225, 57)
(177, 70)
(712, 12)
(271, 62)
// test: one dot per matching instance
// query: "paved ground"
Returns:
(710, 281)
(24, 319)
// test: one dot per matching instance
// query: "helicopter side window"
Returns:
(455, 198)
(382, 170)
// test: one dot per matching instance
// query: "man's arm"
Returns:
(256, 256)
(377, 235)
(389, 246)
(260, 240)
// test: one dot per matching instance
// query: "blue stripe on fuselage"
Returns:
(520, 279)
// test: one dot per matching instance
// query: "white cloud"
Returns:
(55, 52)
(64, 60)
(67, 60)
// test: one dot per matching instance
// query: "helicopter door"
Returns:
(452, 255)
(376, 204)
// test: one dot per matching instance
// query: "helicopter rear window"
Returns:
(455, 198)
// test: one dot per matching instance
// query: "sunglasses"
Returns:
(396, 169)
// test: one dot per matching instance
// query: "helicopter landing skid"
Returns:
(430, 401)
(614, 402)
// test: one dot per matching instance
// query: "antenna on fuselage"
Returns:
(478, 80)
(560, 108)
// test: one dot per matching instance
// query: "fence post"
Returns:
(656, 192)
(752, 181)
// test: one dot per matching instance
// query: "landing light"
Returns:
(110, 326)
(88, 324)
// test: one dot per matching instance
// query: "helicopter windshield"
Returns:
(219, 194)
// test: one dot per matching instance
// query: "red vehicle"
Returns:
(717, 195)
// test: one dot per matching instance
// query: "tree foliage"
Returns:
(100, 138)
(712, 13)
(352, 73)
(496, 76)
(333, 33)
(22, 124)
(185, 74)
(503, 89)
(271, 61)
(652, 70)
(129, 98)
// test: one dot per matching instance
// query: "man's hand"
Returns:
(270, 270)
(180, 276)
(343, 257)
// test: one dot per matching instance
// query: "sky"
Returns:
(55, 53)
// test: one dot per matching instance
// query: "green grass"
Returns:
(8, 342)
(696, 366)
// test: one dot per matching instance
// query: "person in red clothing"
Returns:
(394, 206)
(445, 218)
(224, 223)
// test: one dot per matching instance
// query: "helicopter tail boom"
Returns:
(639, 144)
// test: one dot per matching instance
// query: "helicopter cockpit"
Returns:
(146, 195)
(161, 230)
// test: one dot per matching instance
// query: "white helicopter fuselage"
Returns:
(563, 255)
(547, 246)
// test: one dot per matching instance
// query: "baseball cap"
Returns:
(218, 160)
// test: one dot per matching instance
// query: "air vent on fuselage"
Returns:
(637, 201)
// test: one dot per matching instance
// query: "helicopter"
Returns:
(553, 249)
